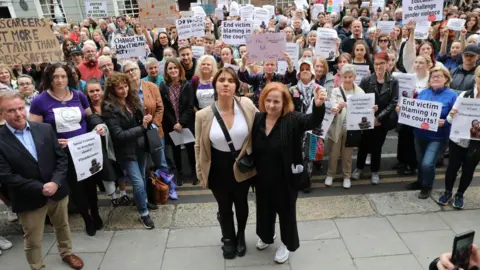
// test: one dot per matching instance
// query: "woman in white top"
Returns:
(202, 81)
(215, 162)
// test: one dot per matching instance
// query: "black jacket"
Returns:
(186, 114)
(125, 129)
(24, 176)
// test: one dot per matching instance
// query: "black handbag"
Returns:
(244, 164)
(354, 137)
(152, 140)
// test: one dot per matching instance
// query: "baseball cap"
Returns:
(472, 49)
(75, 50)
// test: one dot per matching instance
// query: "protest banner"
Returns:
(465, 124)
(455, 24)
(126, 47)
(292, 50)
(360, 114)
(317, 8)
(326, 43)
(247, 13)
(386, 26)
(419, 113)
(421, 9)
(190, 27)
(96, 9)
(266, 47)
(219, 13)
(421, 29)
(362, 71)
(378, 5)
(87, 155)
(406, 84)
(157, 13)
(198, 51)
(28, 41)
(234, 32)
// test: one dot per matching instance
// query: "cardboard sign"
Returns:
(87, 155)
(198, 51)
(157, 13)
(234, 9)
(360, 114)
(96, 9)
(266, 47)
(292, 50)
(28, 41)
(465, 124)
(126, 47)
(199, 12)
(233, 32)
(421, 9)
(190, 27)
(325, 45)
(419, 113)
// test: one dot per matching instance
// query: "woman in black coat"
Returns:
(178, 102)
(277, 150)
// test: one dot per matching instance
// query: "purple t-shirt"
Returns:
(68, 120)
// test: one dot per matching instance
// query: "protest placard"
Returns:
(198, 11)
(28, 41)
(456, 24)
(326, 43)
(266, 47)
(386, 26)
(157, 13)
(317, 8)
(186, 13)
(292, 50)
(378, 5)
(419, 113)
(223, 4)
(271, 11)
(465, 124)
(96, 9)
(406, 84)
(334, 6)
(360, 114)
(234, 32)
(327, 119)
(301, 4)
(87, 155)
(421, 29)
(126, 47)
(247, 13)
(198, 51)
(234, 9)
(261, 17)
(362, 71)
(219, 13)
(190, 27)
(421, 9)
(365, 4)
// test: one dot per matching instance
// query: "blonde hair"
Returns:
(203, 58)
(445, 72)
(323, 61)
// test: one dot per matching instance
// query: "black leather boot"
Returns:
(97, 220)
(242, 224)
(220, 222)
(229, 242)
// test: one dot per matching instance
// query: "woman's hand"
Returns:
(375, 108)
(244, 60)
(453, 112)
(377, 124)
(178, 128)
(445, 264)
(146, 120)
(441, 122)
(63, 143)
(100, 130)
(320, 95)
(341, 105)
(411, 24)
(335, 111)
(397, 108)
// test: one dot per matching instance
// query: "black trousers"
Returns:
(372, 142)
(468, 159)
(177, 155)
(406, 147)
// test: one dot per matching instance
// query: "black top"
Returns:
(190, 72)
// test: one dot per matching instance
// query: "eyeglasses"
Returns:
(24, 84)
(131, 70)
(435, 77)
(380, 64)
(383, 40)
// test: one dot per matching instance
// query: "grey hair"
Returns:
(111, 25)
(88, 43)
(128, 63)
(104, 57)
(349, 68)
(151, 61)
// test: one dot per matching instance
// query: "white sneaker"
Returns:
(328, 181)
(347, 183)
(368, 160)
(5, 244)
(375, 178)
(356, 174)
(261, 245)
(282, 254)
(11, 216)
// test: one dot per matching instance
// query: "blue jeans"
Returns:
(427, 154)
(159, 157)
(135, 170)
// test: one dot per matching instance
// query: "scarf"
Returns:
(306, 93)
(28, 100)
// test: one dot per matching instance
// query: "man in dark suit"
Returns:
(34, 168)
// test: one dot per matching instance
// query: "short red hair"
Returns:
(287, 98)
(382, 56)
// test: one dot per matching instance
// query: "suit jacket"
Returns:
(186, 115)
(152, 101)
(203, 124)
(24, 176)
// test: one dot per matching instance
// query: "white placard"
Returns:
(365, 4)
(302, 4)
(327, 118)
(360, 114)
(406, 84)
(292, 50)
(362, 71)
(126, 47)
(190, 27)
(326, 43)
(236, 68)
(182, 138)
(266, 47)
(96, 9)
(378, 4)
(282, 67)
(186, 14)
(223, 3)
(261, 16)
(234, 9)
(160, 30)
(419, 113)
(199, 12)
(161, 68)
(334, 6)
(465, 124)
(194, 4)
(317, 8)
(198, 51)
(234, 32)
(247, 13)
(456, 24)
(421, 29)
(87, 155)
(386, 26)
(419, 10)
(271, 10)
(219, 14)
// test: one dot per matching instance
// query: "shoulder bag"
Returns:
(244, 164)
(354, 137)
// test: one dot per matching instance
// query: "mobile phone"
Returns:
(462, 248)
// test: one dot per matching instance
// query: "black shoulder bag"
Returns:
(354, 137)
(245, 164)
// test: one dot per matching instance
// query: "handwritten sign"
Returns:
(198, 11)
(87, 155)
(28, 41)
(465, 124)
(219, 13)
(96, 9)
(234, 9)
(266, 47)
(419, 113)
(190, 27)
(271, 10)
(421, 9)
(157, 13)
(234, 32)
(127, 47)
(325, 45)
(378, 5)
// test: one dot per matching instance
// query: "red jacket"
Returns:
(88, 72)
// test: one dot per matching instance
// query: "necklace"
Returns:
(62, 101)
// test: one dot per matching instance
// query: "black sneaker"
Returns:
(151, 206)
(125, 201)
(414, 186)
(425, 193)
(147, 222)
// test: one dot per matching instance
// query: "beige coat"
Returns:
(337, 126)
(203, 123)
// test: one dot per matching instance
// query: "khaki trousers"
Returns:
(337, 150)
(33, 223)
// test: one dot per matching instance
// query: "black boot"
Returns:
(180, 179)
(242, 224)
(89, 225)
(97, 220)
(229, 242)
(221, 227)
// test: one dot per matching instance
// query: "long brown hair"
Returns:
(110, 97)
(181, 74)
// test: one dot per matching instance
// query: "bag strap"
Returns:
(221, 123)
(343, 94)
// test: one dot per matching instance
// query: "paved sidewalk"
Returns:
(365, 232)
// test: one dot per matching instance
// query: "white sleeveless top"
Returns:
(238, 132)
